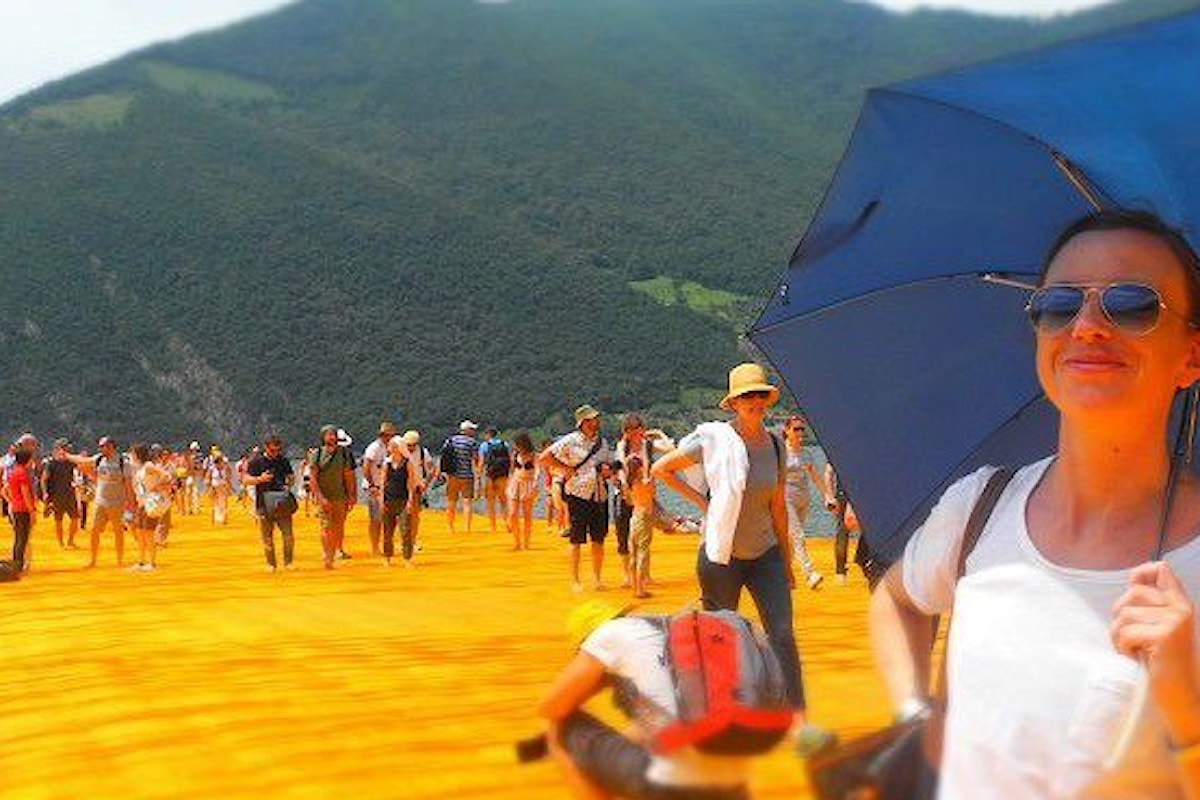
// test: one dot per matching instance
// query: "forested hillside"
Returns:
(430, 209)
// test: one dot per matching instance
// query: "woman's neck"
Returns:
(1127, 467)
(749, 428)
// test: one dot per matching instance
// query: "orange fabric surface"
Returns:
(211, 678)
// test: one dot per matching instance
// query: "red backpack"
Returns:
(729, 689)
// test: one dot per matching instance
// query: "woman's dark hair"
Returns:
(522, 442)
(141, 451)
(23, 455)
(1144, 222)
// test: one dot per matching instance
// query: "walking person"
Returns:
(152, 486)
(425, 473)
(373, 464)
(745, 534)
(334, 490)
(495, 456)
(522, 491)
(459, 463)
(219, 477)
(270, 473)
(636, 442)
(641, 492)
(58, 493)
(399, 499)
(838, 504)
(85, 490)
(584, 460)
(113, 475)
(800, 472)
(1072, 663)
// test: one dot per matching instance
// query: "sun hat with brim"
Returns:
(387, 427)
(411, 437)
(344, 439)
(746, 378)
(467, 425)
(585, 412)
(589, 615)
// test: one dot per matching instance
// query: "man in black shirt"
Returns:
(58, 490)
(271, 474)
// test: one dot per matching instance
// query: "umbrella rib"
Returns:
(1071, 172)
(990, 276)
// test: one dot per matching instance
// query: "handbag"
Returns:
(899, 762)
(155, 504)
(278, 504)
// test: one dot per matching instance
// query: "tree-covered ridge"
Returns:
(430, 209)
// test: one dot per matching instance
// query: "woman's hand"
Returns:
(1154, 621)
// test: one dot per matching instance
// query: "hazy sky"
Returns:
(42, 40)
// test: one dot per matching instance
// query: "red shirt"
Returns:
(19, 488)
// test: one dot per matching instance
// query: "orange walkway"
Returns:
(213, 679)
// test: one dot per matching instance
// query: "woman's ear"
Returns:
(1191, 369)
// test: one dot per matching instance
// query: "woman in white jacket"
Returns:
(745, 533)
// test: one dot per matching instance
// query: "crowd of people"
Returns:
(587, 486)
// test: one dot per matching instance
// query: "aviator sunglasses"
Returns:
(1131, 307)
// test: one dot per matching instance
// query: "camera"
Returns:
(535, 748)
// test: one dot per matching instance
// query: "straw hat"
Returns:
(589, 615)
(749, 377)
(387, 427)
(585, 412)
(411, 437)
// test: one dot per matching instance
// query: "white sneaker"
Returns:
(841, 579)
(814, 580)
(270, 568)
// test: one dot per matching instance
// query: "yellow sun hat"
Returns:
(749, 377)
(589, 615)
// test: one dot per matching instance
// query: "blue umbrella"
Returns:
(899, 323)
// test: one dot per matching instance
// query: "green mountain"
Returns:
(431, 209)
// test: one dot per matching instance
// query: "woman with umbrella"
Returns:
(745, 534)
(1072, 664)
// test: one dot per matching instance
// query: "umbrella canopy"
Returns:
(897, 325)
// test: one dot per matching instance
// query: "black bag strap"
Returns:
(595, 449)
(980, 514)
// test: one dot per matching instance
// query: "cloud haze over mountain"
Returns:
(50, 39)
(1030, 8)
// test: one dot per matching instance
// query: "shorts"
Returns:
(641, 534)
(63, 506)
(335, 516)
(145, 522)
(619, 765)
(496, 488)
(108, 515)
(374, 509)
(589, 520)
(459, 487)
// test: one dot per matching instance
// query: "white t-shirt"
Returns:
(1038, 696)
(633, 648)
(372, 463)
